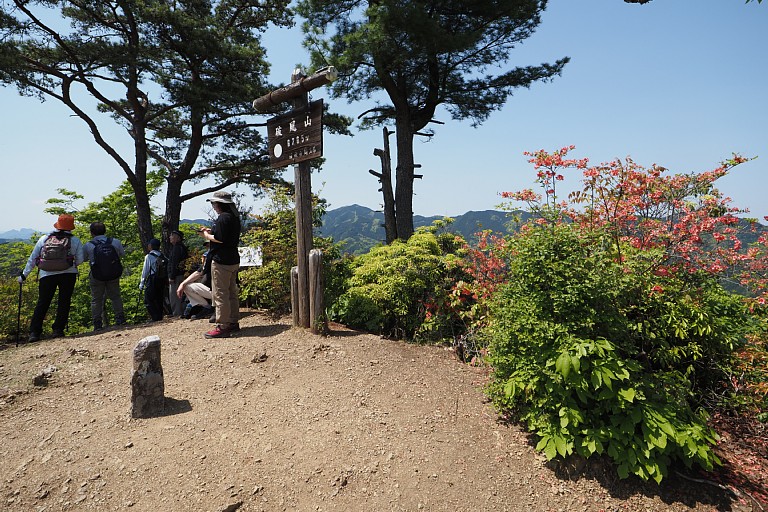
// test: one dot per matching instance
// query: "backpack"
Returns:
(56, 252)
(105, 263)
(161, 269)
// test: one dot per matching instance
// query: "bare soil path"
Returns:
(279, 419)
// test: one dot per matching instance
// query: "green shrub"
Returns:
(390, 285)
(267, 287)
(599, 357)
(274, 230)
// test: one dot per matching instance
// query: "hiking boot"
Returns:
(218, 332)
(33, 336)
(200, 312)
(97, 326)
(187, 312)
(234, 327)
(57, 334)
(119, 319)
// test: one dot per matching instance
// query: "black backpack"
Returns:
(105, 264)
(56, 252)
(161, 271)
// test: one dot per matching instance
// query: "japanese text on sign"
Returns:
(296, 136)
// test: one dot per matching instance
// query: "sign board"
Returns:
(250, 256)
(296, 136)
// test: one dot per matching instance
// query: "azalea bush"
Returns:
(459, 308)
(613, 325)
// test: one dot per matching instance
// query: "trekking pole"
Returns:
(18, 315)
(138, 303)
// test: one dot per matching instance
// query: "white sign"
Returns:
(250, 256)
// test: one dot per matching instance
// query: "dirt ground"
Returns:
(279, 419)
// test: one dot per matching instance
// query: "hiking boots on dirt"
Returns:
(220, 331)
(33, 336)
(187, 314)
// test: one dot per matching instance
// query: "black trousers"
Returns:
(48, 285)
(153, 298)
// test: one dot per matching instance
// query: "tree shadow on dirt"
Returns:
(263, 331)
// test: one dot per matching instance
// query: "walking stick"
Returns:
(138, 305)
(18, 315)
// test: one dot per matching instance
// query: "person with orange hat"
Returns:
(57, 256)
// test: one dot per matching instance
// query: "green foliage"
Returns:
(390, 285)
(13, 257)
(599, 357)
(745, 391)
(9, 308)
(117, 210)
(274, 230)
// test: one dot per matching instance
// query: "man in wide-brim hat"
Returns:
(224, 237)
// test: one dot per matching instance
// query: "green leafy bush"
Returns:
(596, 356)
(390, 285)
(274, 230)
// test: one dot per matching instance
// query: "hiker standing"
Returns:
(57, 256)
(176, 257)
(104, 255)
(154, 279)
(225, 262)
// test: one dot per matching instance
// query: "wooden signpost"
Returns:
(296, 138)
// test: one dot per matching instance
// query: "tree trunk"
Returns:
(172, 215)
(143, 216)
(138, 181)
(390, 219)
(404, 185)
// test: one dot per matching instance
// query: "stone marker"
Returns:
(147, 384)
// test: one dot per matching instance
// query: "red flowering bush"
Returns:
(612, 328)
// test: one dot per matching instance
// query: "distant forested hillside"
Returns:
(361, 228)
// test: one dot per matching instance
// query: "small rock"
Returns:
(260, 358)
(233, 507)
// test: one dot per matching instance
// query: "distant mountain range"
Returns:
(361, 228)
(17, 234)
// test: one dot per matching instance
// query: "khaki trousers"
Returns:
(225, 293)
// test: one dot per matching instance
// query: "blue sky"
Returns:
(680, 83)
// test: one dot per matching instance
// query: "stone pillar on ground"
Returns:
(147, 384)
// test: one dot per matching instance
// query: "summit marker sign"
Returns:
(296, 136)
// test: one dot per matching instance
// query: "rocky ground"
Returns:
(279, 419)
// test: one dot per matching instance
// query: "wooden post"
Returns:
(296, 92)
(295, 295)
(317, 292)
(303, 199)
